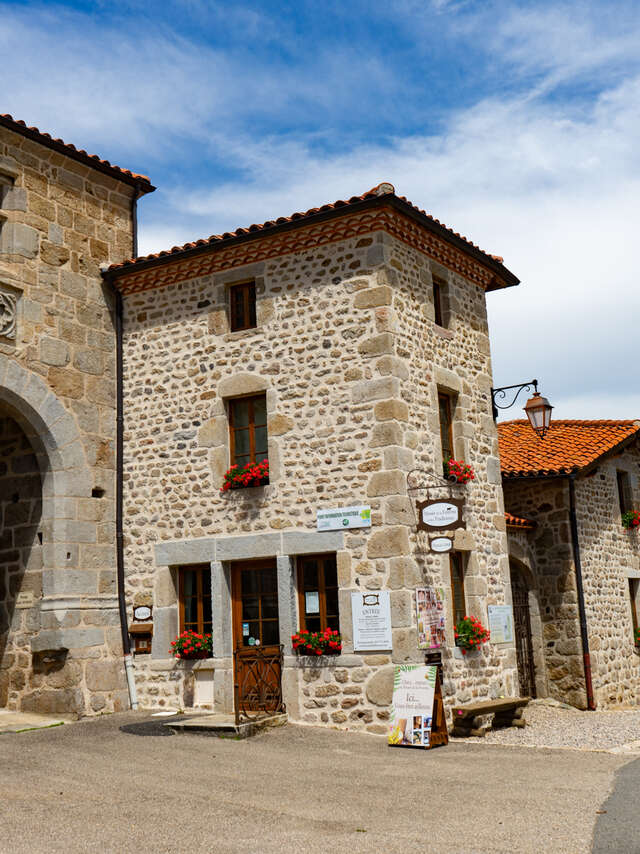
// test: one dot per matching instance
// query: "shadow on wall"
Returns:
(20, 556)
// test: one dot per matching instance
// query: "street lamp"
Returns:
(537, 408)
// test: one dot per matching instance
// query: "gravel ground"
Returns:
(551, 724)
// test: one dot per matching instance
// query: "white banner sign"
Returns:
(338, 519)
(371, 614)
(501, 623)
(414, 688)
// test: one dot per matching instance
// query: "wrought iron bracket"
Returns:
(501, 394)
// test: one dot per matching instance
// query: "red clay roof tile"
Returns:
(569, 446)
(518, 522)
(382, 189)
(79, 154)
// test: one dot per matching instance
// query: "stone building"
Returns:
(349, 346)
(63, 214)
(564, 498)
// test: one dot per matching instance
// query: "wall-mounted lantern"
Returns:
(537, 408)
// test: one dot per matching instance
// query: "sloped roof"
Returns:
(386, 190)
(79, 154)
(569, 446)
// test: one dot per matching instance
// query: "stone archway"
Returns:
(66, 641)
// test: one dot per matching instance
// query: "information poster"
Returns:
(371, 615)
(337, 519)
(430, 614)
(501, 623)
(414, 688)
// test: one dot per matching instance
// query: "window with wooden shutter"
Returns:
(242, 306)
(194, 597)
(248, 429)
(625, 496)
(445, 413)
(456, 566)
(318, 593)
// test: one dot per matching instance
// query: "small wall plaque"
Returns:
(142, 613)
(441, 544)
(24, 599)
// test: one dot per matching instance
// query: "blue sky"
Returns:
(516, 123)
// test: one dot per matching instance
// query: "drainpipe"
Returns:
(591, 705)
(122, 605)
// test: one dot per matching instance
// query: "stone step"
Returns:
(225, 725)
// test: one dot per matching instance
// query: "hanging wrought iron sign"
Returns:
(440, 515)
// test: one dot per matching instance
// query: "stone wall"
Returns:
(609, 557)
(59, 222)
(348, 355)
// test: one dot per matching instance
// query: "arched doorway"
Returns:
(522, 631)
(20, 556)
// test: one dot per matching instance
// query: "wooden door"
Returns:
(256, 634)
(522, 631)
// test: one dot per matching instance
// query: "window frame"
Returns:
(439, 288)
(251, 427)
(625, 494)
(450, 406)
(249, 306)
(634, 592)
(199, 569)
(457, 571)
(322, 589)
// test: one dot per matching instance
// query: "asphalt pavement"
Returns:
(92, 786)
(618, 824)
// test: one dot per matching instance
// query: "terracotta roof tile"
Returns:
(383, 189)
(569, 446)
(518, 522)
(78, 154)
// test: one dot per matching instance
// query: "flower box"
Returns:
(470, 634)
(459, 471)
(251, 474)
(191, 646)
(328, 642)
(631, 519)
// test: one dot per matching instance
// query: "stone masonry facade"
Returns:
(351, 361)
(610, 556)
(60, 220)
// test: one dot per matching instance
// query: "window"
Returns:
(248, 429)
(445, 409)
(194, 597)
(440, 302)
(634, 590)
(625, 496)
(318, 593)
(456, 565)
(242, 306)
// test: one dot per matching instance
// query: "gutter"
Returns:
(591, 704)
(122, 605)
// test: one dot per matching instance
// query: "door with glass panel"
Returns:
(256, 632)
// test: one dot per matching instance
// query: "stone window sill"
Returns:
(242, 333)
(441, 332)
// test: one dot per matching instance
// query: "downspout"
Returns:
(122, 603)
(591, 705)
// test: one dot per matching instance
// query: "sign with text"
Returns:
(501, 623)
(441, 514)
(430, 613)
(371, 615)
(417, 713)
(338, 519)
(441, 544)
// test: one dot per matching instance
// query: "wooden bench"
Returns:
(467, 720)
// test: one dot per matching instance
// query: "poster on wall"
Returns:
(417, 712)
(337, 519)
(371, 615)
(501, 623)
(430, 613)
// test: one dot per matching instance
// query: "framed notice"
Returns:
(501, 623)
(417, 714)
(371, 615)
(430, 613)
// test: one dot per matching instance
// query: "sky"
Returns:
(515, 123)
